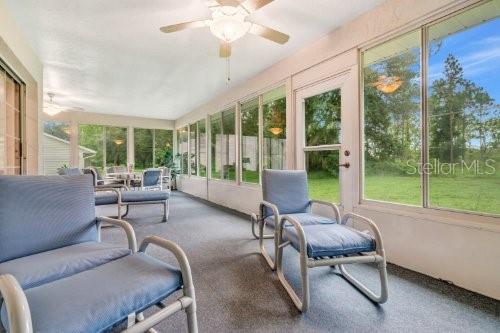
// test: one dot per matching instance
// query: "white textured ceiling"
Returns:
(108, 56)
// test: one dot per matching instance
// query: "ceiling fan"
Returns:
(229, 22)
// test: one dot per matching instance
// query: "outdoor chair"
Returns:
(69, 172)
(320, 241)
(56, 274)
(285, 192)
(99, 182)
(151, 193)
(152, 179)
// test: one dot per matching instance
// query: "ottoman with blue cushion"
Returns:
(127, 198)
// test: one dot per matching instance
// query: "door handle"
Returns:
(345, 165)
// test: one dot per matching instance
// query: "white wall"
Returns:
(17, 53)
(461, 248)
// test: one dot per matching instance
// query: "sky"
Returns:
(478, 51)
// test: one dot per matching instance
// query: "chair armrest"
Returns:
(132, 241)
(335, 208)
(179, 255)
(111, 189)
(373, 227)
(18, 311)
(300, 231)
(273, 207)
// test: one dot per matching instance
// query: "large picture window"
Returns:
(108, 146)
(57, 148)
(116, 146)
(223, 145)
(250, 141)
(182, 149)
(274, 129)
(461, 148)
(391, 76)
(215, 145)
(202, 148)
(193, 146)
(163, 140)
(91, 137)
(152, 148)
(143, 148)
(228, 145)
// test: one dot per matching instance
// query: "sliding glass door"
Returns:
(11, 95)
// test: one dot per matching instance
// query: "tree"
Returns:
(450, 97)
(392, 120)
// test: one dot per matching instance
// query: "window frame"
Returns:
(236, 108)
(424, 208)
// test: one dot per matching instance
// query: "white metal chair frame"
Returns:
(378, 257)
(261, 222)
(19, 315)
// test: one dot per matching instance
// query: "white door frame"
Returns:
(347, 83)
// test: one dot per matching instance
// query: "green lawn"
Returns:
(480, 193)
(249, 176)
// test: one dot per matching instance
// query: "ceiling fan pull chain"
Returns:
(228, 71)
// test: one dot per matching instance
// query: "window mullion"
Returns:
(424, 115)
(261, 136)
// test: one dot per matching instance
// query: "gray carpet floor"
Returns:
(237, 292)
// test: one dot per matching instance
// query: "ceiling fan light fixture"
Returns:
(50, 107)
(276, 130)
(388, 84)
(228, 24)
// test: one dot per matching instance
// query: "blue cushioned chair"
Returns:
(321, 241)
(56, 275)
(99, 182)
(69, 172)
(152, 179)
(286, 192)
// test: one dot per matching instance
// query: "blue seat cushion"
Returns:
(106, 198)
(37, 269)
(96, 300)
(110, 197)
(328, 240)
(139, 196)
(303, 219)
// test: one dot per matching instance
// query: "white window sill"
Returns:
(455, 218)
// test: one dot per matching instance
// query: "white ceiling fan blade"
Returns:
(225, 50)
(252, 5)
(268, 33)
(230, 3)
(185, 25)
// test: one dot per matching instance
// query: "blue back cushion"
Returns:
(152, 177)
(41, 213)
(287, 189)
